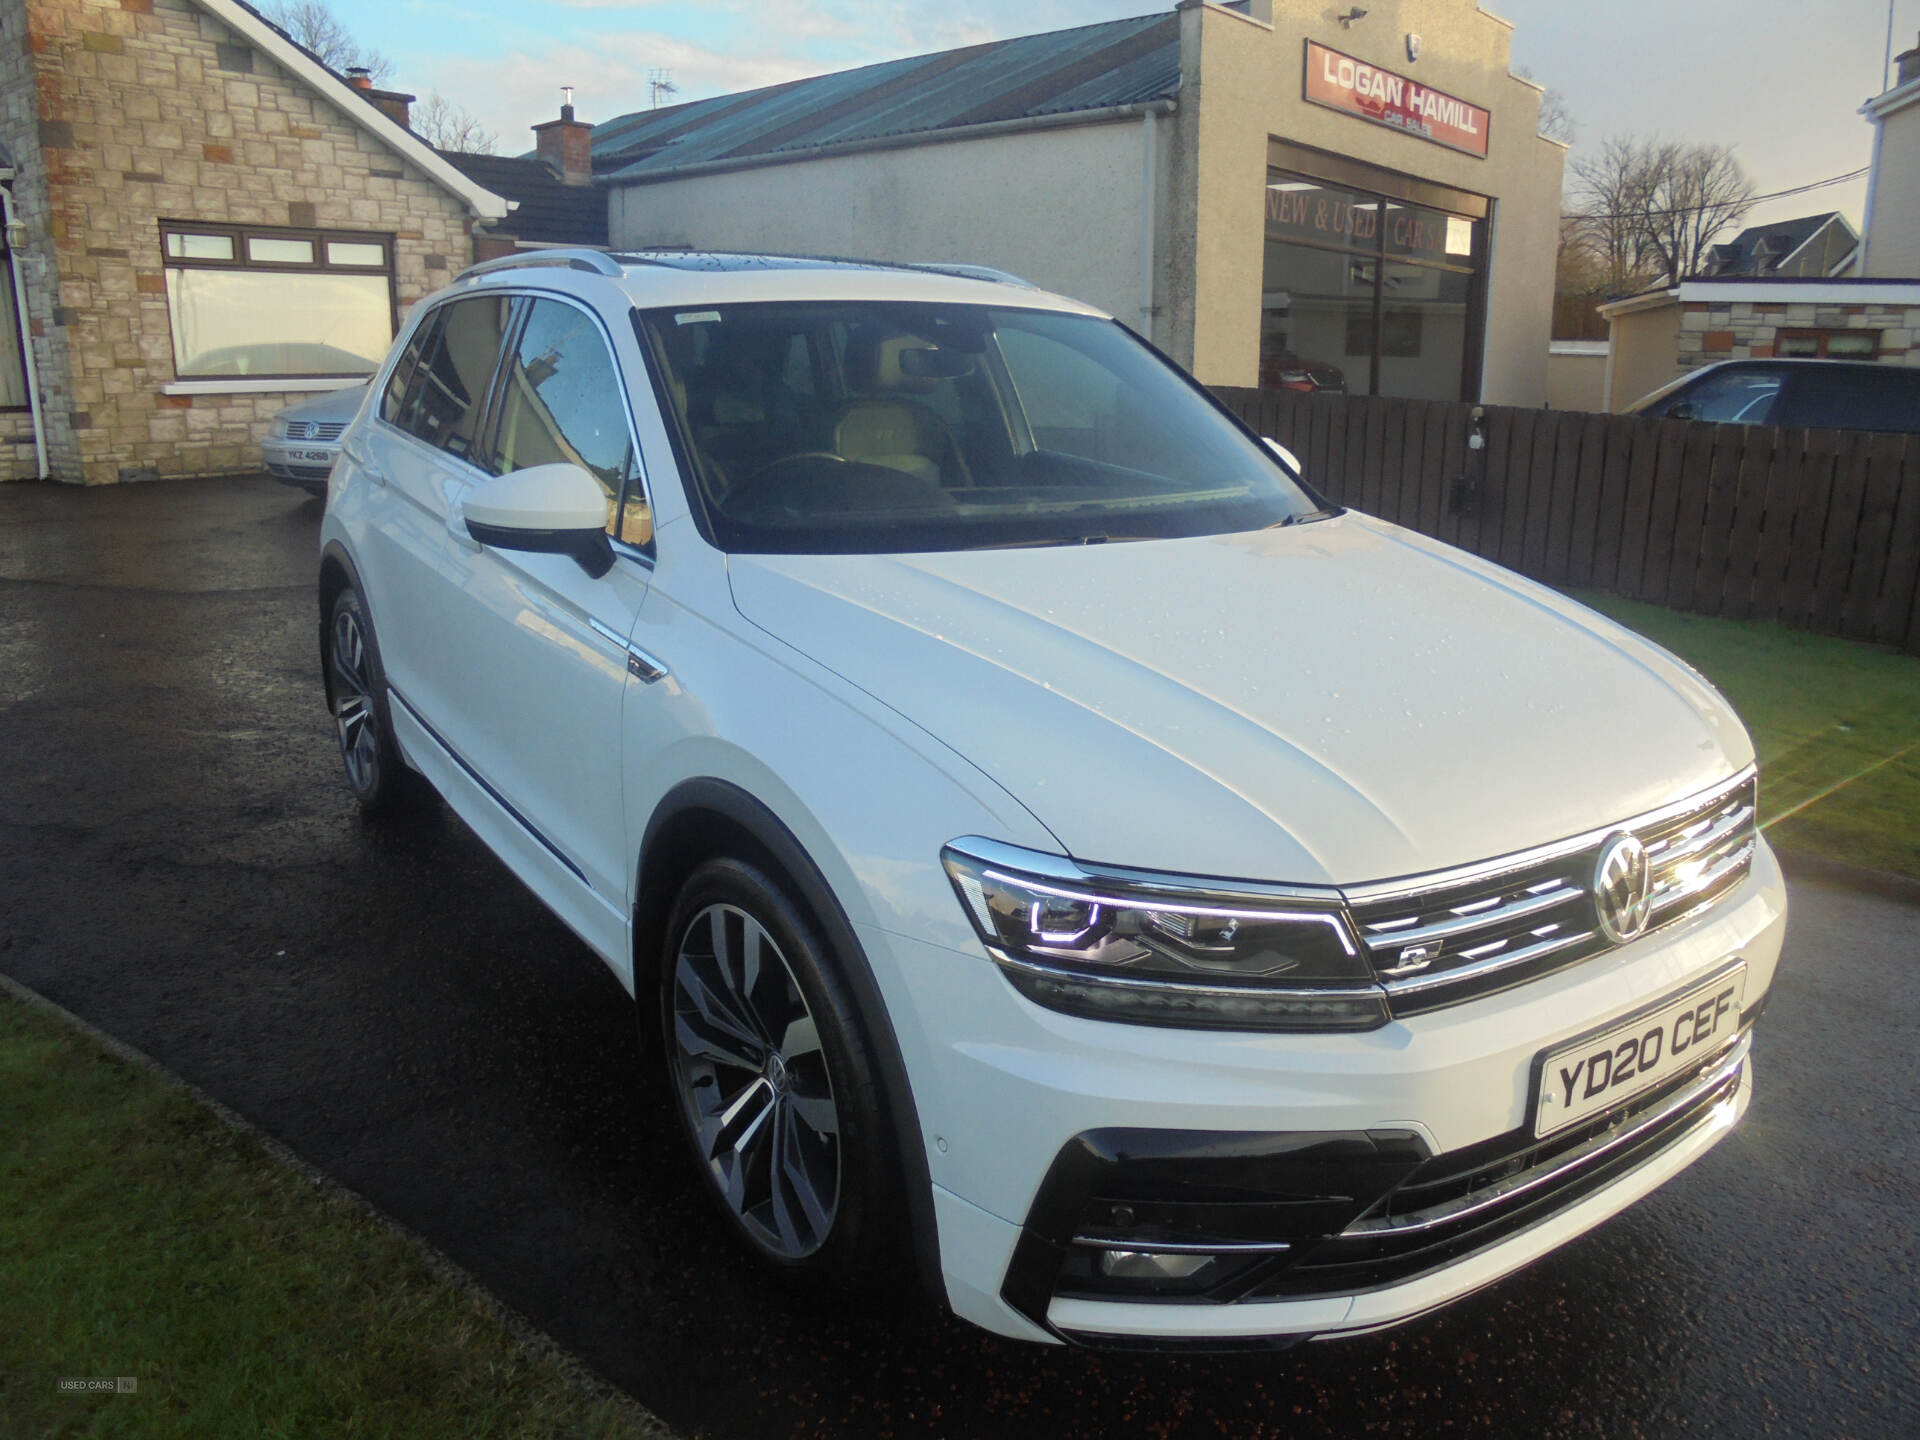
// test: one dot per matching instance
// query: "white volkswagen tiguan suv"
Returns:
(1044, 839)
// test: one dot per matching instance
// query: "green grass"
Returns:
(141, 1236)
(1837, 724)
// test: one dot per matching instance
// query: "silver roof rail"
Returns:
(574, 257)
(971, 272)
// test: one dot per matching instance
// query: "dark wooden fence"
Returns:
(1818, 529)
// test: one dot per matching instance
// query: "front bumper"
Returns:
(293, 464)
(1042, 1119)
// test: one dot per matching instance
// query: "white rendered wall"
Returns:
(1059, 207)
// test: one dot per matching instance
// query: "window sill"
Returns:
(285, 386)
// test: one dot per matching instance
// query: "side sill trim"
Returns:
(494, 794)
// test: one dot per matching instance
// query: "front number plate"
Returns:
(318, 457)
(1582, 1079)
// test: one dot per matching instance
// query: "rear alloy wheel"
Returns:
(356, 691)
(773, 1083)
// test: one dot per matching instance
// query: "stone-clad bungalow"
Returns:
(202, 222)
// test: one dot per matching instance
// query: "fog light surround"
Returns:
(1151, 1264)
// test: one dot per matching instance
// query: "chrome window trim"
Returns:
(1414, 886)
(378, 382)
(625, 386)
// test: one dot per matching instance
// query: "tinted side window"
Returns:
(1739, 396)
(443, 409)
(561, 401)
(406, 368)
(1883, 397)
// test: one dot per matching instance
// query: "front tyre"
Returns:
(773, 1081)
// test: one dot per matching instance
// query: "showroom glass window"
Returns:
(1364, 294)
(248, 301)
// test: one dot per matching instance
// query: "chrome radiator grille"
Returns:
(1438, 940)
(315, 429)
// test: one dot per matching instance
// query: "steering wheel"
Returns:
(793, 459)
(765, 486)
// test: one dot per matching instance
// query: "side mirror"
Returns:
(1285, 456)
(547, 509)
(1682, 410)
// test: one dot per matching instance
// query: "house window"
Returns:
(1828, 344)
(248, 301)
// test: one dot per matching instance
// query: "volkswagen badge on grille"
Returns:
(1623, 888)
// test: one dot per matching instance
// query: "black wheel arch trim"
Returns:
(740, 807)
(333, 553)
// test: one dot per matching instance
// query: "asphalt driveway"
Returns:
(182, 867)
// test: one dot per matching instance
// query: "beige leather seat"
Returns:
(897, 433)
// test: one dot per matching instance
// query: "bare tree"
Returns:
(1580, 285)
(1649, 210)
(312, 24)
(1556, 119)
(447, 126)
(1612, 190)
(1702, 191)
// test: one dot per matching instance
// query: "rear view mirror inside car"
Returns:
(935, 364)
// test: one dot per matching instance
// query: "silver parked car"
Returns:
(304, 440)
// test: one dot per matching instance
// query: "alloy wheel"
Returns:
(753, 1082)
(353, 712)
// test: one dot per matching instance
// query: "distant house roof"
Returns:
(1092, 68)
(1762, 250)
(547, 211)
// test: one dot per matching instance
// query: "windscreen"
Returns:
(871, 427)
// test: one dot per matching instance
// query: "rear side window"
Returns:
(407, 368)
(1738, 396)
(443, 404)
(1853, 397)
(560, 400)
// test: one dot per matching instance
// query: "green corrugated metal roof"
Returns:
(1094, 67)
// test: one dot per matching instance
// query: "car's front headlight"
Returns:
(1165, 949)
(277, 430)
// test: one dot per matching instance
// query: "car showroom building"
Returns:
(1276, 194)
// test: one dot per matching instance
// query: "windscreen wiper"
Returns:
(1303, 519)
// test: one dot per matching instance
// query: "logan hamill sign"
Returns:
(1341, 82)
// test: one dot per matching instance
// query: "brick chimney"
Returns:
(396, 106)
(566, 145)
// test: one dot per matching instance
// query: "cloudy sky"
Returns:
(1780, 79)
